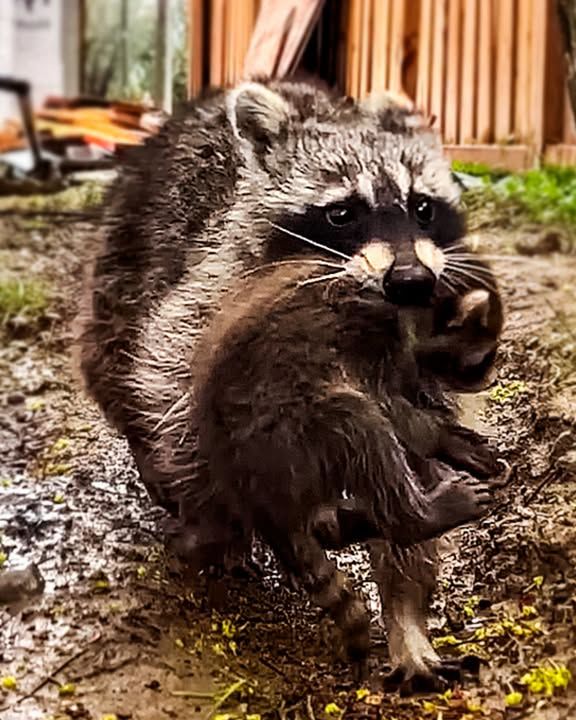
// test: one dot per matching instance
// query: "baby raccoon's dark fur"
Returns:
(305, 392)
(240, 180)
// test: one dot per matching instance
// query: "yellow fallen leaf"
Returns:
(333, 710)
(513, 699)
(67, 689)
(9, 682)
(362, 693)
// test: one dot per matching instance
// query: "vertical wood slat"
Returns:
(216, 42)
(484, 118)
(195, 46)
(424, 57)
(437, 85)
(523, 89)
(504, 87)
(353, 48)
(468, 86)
(380, 45)
(453, 67)
(397, 16)
(569, 133)
(365, 46)
(540, 19)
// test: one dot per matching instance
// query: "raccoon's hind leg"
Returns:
(307, 564)
(406, 579)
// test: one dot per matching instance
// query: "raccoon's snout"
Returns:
(409, 285)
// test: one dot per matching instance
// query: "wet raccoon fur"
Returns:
(307, 388)
(261, 174)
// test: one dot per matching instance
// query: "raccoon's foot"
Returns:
(305, 560)
(342, 523)
(457, 500)
(212, 550)
(463, 449)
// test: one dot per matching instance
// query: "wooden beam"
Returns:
(510, 157)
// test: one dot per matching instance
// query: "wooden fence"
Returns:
(491, 71)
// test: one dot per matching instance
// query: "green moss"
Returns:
(25, 300)
(478, 170)
(78, 197)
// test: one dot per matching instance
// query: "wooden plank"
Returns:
(424, 57)
(353, 51)
(540, 20)
(453, 68)
(380, 45)
(504, 87)
(511, 157)
(523, 88)
(397, 16)
(365, 46)
(560, 154)
(216, 43)
(555, 82)
(438, 84)
(484, 117)
(195, 46)
(469, 73)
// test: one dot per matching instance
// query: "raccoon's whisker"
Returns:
(448, 284)
(469, 266)
(504, 258)
(455, 248)
(326, 248)
(262, 268)
(472, 276)
(329, 276)
(456, 282)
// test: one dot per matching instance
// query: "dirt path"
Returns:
(119, 631)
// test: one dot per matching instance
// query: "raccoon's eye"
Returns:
(340, 215)
(424, 211)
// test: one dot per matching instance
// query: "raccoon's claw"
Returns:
(409, 681)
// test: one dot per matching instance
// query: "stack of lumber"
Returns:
(102, 125)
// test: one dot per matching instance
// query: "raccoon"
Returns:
(261, 174)
(307, 388)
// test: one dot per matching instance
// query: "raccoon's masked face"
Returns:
(334, 176)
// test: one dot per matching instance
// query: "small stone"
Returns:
(17, 585)
(15, 398)
(544, 244)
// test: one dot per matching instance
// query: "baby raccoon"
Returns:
(306, 389)
(270, 173)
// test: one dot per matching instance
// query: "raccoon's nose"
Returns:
(409, 285)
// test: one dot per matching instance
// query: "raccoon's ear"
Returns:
(395, 112)
(259, 116)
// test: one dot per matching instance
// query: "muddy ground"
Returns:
(120, 631)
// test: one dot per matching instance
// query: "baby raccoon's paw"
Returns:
(458, 500)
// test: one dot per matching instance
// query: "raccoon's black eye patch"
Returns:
(340, 215)
(424, 211)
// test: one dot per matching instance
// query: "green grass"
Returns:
(22, 300)
(545, 197)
